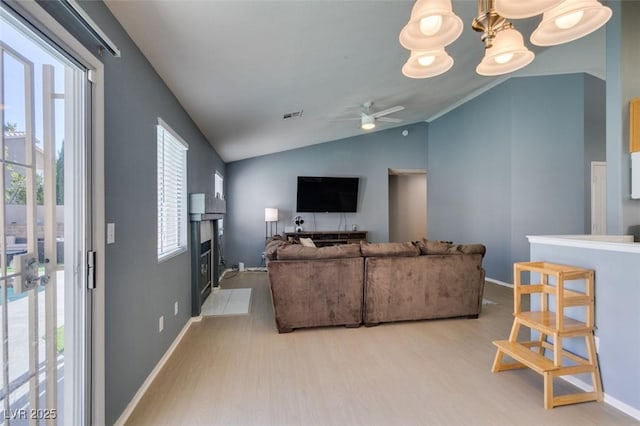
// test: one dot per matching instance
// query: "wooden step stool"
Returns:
(552, 324)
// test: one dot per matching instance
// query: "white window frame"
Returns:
(168, 138)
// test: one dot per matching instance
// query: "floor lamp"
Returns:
(270, 216)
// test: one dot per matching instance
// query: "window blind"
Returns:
(172, 192)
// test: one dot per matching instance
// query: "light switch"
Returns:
(111, 233)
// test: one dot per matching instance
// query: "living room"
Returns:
(494, 173)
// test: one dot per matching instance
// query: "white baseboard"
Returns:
(145, 386)
(502, 283)
(608, 399)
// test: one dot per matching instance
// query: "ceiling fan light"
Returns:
(518, 9)
(507, 54)
(368, 122)
(432, 25)
(418, 67)
(569, 21)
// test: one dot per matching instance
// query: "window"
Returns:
(172, 192)
(218, 185)
(218, 190)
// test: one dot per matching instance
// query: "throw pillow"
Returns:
(307, 242)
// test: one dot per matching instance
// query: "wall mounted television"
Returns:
(317, 194)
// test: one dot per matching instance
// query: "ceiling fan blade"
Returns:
(346, 119)
(390, 120)
(387, 111)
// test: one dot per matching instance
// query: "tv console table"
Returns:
(329, 238)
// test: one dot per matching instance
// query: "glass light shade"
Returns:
(426, 59)
(507, 54)
(368, 122)
(270, 215)
(569, 21)
(425, 64)
(432, 25)
(518, 9)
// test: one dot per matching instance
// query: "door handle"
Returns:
(26, 273)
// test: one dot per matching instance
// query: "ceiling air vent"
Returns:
(292, 115)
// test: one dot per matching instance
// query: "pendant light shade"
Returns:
(518, 9)
(432, 25)
(425, 64)
(507, 54)
(569, 21)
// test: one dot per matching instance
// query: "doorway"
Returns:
(45, 230)
(407, 205)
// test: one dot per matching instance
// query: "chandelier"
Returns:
(433, 25)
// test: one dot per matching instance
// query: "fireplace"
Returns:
(205, 212)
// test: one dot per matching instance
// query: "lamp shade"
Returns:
(427, 63)
(432, 25)
(569, 21)
(507, 54)
(270, 215)
(518, 9)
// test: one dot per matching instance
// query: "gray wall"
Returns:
(469, 177)
(623, 84)
(139, 289)
(515, 168)
(270, 181)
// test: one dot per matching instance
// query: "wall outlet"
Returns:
(597, 342)
(161, 324)
(175, 308)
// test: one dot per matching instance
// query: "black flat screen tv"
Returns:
(327, 194)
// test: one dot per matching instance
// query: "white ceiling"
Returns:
(238, 66)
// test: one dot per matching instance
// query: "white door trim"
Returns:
(598, 201)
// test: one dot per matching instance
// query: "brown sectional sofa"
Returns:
(373, 283)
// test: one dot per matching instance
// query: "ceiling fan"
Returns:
(368, 118)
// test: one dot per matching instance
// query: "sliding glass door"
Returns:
(45, 230)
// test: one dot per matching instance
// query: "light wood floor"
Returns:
(240, 371)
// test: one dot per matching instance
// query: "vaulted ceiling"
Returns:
(238, 66)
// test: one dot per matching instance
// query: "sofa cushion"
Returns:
(389, 249)
(446, 247)
(300, 252)
(473, 249)
(271, 247)
(434, 247)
